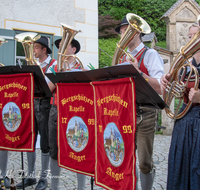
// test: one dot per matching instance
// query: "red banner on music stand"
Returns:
(76, 127)
(17, 112)
(115, 134)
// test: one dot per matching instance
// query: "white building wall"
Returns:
(45, 16)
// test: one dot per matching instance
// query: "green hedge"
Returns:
(109, 46)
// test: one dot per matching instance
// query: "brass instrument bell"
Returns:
(27, 39)
(136, 26)
(68, 34)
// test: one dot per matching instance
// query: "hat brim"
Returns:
(77, 45)
(57, 42)
(48, 49)
(118, 28)
(74, 42)
(44, 42)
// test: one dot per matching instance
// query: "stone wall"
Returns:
(178, 23)
(178, 19)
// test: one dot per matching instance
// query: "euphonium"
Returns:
(177, 85)
(136, 26)
(68, 35)
(2, 41)
(27, 39)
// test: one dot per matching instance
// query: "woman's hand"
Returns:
(194, 95)
(164, 80)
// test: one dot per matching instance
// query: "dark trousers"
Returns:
(42, 108)
(53, 132)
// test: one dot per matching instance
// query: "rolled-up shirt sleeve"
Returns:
(154, 64)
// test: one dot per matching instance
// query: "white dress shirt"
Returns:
(152, 61)
(44, 64)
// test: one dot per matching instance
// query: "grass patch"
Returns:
(162, 44)
(159, 132)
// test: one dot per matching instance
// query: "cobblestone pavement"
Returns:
(68, 179)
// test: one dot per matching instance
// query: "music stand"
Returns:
(145, 94)
(41, 88)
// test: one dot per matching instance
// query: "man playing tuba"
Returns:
(150, 65)
(72, 49)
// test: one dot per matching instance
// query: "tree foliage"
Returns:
(111, 12)
(109, 46)
(107, 26)
(149, 10)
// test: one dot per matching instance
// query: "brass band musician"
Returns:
(150, 65)
(184, 153)
(41, 109)
(73, 48)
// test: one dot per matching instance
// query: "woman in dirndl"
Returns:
(184, 153)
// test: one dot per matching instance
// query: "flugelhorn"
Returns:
(27, 39)
(177, 85)
(2, 41)
(136, 26)
(68, 35)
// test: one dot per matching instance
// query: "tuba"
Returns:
(2, 41)
(136, 26)
(177, 85)
(68, 35)
(27, 39)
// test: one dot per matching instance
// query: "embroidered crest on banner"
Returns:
(113, 144)
(77, 134)
(11, 116)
